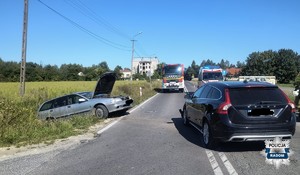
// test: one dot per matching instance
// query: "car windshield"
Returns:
(173, 70)
(255, 95)
(88, 95)
(212, 76)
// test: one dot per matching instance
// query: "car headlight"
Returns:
(115, 100)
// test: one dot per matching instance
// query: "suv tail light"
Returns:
(222, 109)
(180, 79)
(292, 105)
(165, 80)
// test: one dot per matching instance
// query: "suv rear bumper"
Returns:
(226, 131)
(253, 137)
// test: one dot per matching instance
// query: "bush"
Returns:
(297, 80)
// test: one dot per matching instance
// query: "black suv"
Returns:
(239, 111)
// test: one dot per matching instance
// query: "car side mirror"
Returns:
(189, 95)
(81, 100)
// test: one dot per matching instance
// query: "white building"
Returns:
(145, 65)
(126, 74)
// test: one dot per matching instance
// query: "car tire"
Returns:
(207, 136)
(186, 121)
(101, 112)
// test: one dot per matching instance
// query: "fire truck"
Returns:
(173, 77)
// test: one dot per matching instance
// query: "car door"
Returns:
(191, 110)
(75, 106)
(210, 102)
(46, 110)
(60, 107)
(200, 105)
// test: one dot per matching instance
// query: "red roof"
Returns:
(233, 70)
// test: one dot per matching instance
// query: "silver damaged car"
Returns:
(99, 102)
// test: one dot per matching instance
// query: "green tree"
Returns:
(158, 72)
(117, 71)
(190, 72)
(69, 72)
(194, 69)
(2, 77)
(207, 62)
(34, 72)
(102, 68)
(139, 76)
(50, 73)
(90, 73)
(285, 65)
(9, 71)
(297, 80)
(240, 64)
(259, 64)
(222, 64)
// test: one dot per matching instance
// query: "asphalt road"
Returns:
(153, 140)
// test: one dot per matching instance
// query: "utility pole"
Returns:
(24, 47)
(132, 55)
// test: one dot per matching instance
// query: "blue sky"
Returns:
(175, 31)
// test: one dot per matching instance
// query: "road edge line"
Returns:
(227, 164)
(138, 106)
(213, 162)
(130, 111)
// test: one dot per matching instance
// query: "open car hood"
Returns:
(105, 84)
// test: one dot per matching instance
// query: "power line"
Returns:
(89, 13)
(99, 38)
(141, 48)
(137, 53)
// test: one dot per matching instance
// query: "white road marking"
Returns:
(227, 164)
(213, 162)
(185, 89)
(110, 125)
(130, 111)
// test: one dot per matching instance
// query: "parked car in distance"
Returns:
(99, 102)
(239, 111)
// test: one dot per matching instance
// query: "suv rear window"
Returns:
(256, 95)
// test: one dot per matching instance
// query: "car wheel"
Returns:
(207, 136)
(186, 121)
(101, 111)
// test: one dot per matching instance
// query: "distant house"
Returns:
(126, 73)
(233, 72)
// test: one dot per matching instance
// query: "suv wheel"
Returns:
(185, 119)
(101, 111)
(208, 140)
